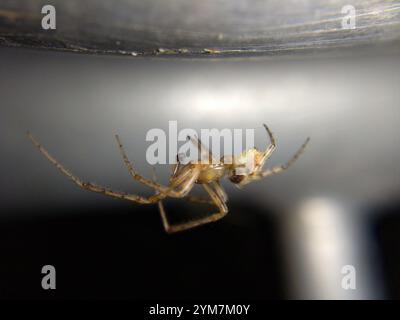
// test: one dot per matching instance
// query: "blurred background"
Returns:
(290, 66)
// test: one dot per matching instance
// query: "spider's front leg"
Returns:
(280, 168)
(270, 148)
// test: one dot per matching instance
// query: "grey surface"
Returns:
(74, 103)
(190, 28)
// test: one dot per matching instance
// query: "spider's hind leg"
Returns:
(223, 210)
(214, 199)
(179, 178)
(87, 185)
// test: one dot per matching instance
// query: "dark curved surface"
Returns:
(192, 28)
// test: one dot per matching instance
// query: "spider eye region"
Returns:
(236, 179)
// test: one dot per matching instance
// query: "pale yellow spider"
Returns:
(185, 176)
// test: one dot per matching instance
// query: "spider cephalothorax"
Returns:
(240, 170)
(245, 166)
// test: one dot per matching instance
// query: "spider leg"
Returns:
(280, 168)
(198, 200)
(179, 187)
(270, 134)
(270, 148)
(175, 168)
(160, 204)
(205, 153)
(187, 180)
(184, 183)
(88, 185)
(220, 190)
(216, 199)
(175, 171)
(163, 189)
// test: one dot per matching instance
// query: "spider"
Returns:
(185, 176)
